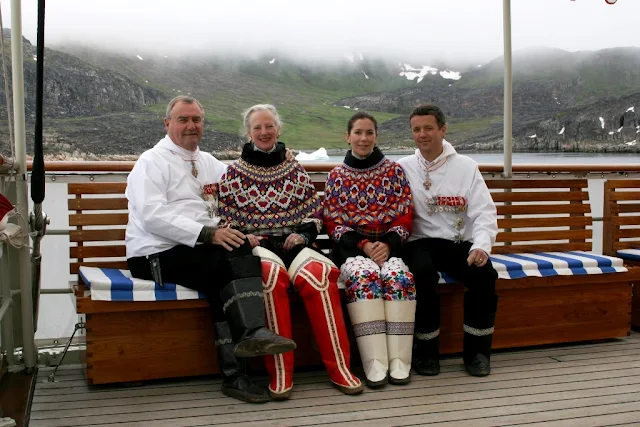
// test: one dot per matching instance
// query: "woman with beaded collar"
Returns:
(368, 213)
(273, 202)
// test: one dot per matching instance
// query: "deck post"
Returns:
(24, 267)
(508, 77)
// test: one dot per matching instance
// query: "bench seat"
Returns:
(110, 284)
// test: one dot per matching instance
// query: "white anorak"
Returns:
(458, 179)
(167, 205)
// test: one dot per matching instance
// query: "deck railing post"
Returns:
(507, 131)
(17, 75)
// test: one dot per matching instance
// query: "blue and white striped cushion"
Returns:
(629, 254)
(110, 284)
(543, 264)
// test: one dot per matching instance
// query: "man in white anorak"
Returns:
(173, 236)
(454, 228)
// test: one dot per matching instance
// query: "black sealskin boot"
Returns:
(426, 355)
(235, 382)
(479, 321)
(243, 305)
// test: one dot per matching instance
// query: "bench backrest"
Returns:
(621, 215)
(542, 215)
(533, 216)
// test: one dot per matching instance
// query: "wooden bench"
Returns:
(542, 216)
(133, 341)
(620, 230)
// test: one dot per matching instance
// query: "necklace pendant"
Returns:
(194, 171)
(427, 184)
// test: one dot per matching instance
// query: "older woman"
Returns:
(368, 212)
(273, 202)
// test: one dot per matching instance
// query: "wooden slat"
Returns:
(96, 235)
(543, 247)
(624, 183)
(103, 251)
(552, 196)
(628, 233)
(625, 195)
(626, 220)
(527, 236)
(619, 208)
(537, 183)
(577, 208)
(97, 188)
(544, 222)
(97, 204)
(98, 219)
(74, 267)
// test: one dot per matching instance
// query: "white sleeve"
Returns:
(482, 213)
(146, 192)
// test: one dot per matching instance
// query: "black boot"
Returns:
(243, 305)
(426, 355)
(479, 321)
(235, 382)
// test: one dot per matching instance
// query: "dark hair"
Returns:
(429, 110)
(358, 116)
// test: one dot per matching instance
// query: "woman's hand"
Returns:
(253, 240)
(380, 252)
(292, 241)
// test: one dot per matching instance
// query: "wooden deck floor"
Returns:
(593, 384)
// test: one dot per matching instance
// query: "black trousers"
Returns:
(204, 268)
(425, 257)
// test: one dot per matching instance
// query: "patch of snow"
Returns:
(346, 106)
(631, 142)
(361, 57)
(561, 131)
(448, 74)
(355, 108)
(619, 129)
(350, 57)
(533, 136)
(479, 65)
(601, 122)
(611, 133)
(272, 61)
(35, 57)
(365, 75)
(632, 109)
(146, 81)
(139, 57)
(411, 73)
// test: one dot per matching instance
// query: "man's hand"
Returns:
(292, 241)
(289, 155)
(228, 238)
(477, 257)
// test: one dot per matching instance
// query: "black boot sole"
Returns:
(258, 347)
(245, 397)
(396, 381)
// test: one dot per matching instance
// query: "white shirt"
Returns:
(166, 205)
(458, 178)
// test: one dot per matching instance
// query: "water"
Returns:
(533, 158)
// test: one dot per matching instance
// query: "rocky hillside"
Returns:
(102, 104)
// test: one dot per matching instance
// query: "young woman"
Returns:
(368, 214)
